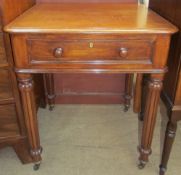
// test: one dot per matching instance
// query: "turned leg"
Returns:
(169, 139)
(137, 94)
(143, 94)
(128, 91)
(154, 86)
(29, 107)
(50, 92)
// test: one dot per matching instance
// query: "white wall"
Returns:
(146, 2)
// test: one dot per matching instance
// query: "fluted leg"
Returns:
(169, 139)
(29, 107)
(154, 86)
(128, 91)
(50, 92)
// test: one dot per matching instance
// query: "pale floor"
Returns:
(91, 140)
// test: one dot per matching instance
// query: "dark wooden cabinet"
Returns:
(171, 94)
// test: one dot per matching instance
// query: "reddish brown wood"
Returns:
(86, 1)
(50, 90)
(137, 94)
(128, 91)
(28, 100)
(9, 123)
(89, 88)
(154, 86)
(71, 50)
(5, 85)
(81, 95)
(77, 56)
(144, 91)
(21, 147)
(171, 94)
(3, 60)
(169, 139)
(12, 125)
(10, 9)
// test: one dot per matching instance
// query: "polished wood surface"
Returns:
(102, 18)
(128, 91)
(137, 93)
(10, 9)
(9, 124)
(85, 91)
(77, 88)
(86, 1)
(124, 26)
(171, 94)
(12, 125)
(5, 85)
(3, 59)
(24, 64)
(178, 91)
(87, 50)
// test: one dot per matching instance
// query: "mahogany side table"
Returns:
(96, 38)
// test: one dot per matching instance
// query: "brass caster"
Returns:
(141, 165)
(51, 107)
(126, 108)
(36, 166)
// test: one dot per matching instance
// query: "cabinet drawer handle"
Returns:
(58, 52)
(123, 52)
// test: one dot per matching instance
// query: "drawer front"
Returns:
(8, 121)
(2, 50)
(5, 85)
(40, 51)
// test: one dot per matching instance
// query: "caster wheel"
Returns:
(36, 166)
(51, 107)
(126, 108)
(141, 165)
(140, 117)
(162, 170)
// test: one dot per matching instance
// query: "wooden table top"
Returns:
(90, 18)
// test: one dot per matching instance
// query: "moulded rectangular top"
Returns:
(89, 18)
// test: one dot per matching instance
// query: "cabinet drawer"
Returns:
(2, 50)
(8, 121)
(89, 50)
(5, 85)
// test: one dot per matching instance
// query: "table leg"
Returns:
(169, 139)
(144, 91)
(128, 91)
(49, 84)
(29, 107)
(154, 86)
(137, 93)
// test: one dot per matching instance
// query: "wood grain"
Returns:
(5, 85)
(102, 18)
(8, 124)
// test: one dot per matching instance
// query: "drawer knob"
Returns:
(123, 52)
(58, 52)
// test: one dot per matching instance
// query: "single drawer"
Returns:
(5, 85)
(89, 50)
(8, 121)
(2, 50)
